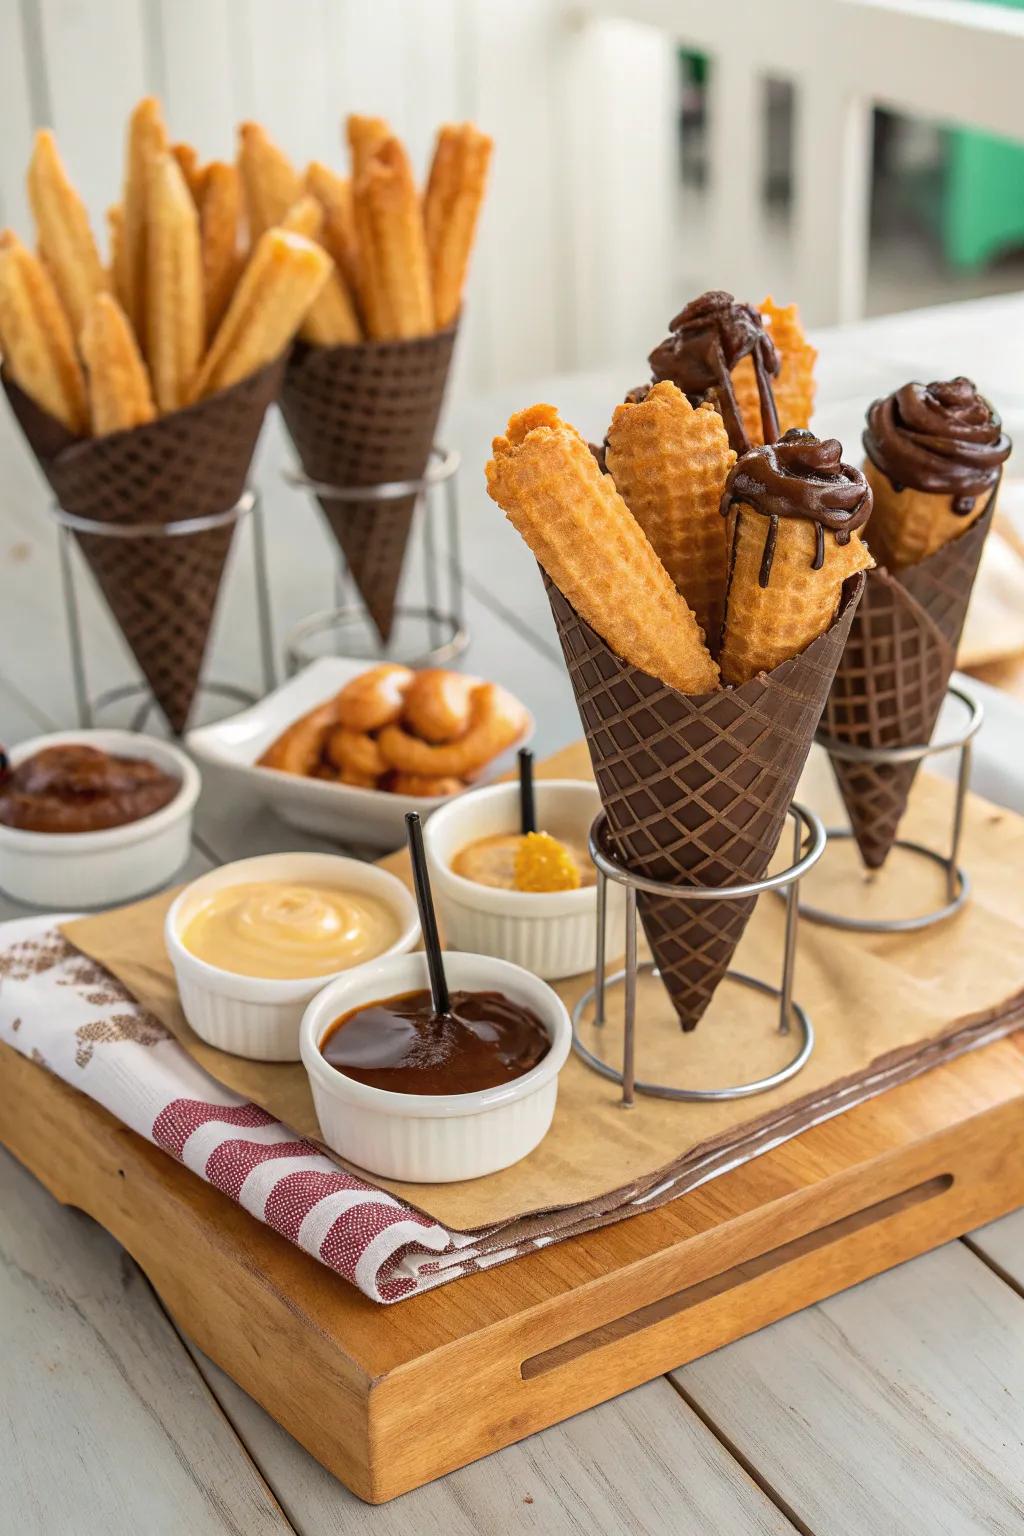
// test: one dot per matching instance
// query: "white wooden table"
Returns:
(897, 1407)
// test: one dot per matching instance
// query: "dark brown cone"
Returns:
(893, 677)
(696, 787)
(192, 463)
(366, 415)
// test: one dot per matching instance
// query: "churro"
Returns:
(334, 194)
(496, 722)
(220, 205)
(271, 183)
(375, 697)
(451, 207)
(437, 704)
(175, 330)
(283, 277)
(793, 386)
(65, 240)
(550, 487)
(299, 748)
(119, 392)
(194, 173)
(365, 137)
(397, 300)
(355, 752)
(35, 336)
(331, 320)
(147, 141)
(423, 787)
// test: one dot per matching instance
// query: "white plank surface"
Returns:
(1001, 1244)
(642, 1464)
(109, 1429)
(897, 1406)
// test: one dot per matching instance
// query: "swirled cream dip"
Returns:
(282, 930)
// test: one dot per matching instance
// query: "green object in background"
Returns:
(983, 203)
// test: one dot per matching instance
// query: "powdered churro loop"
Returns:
(374, 698)
(496, 721)
(437, 704)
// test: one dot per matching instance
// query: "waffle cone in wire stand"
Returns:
(893, 678)
(366, 414)
(191, 463)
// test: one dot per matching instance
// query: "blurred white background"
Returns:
(823, 150)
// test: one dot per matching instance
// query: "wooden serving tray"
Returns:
(388, 1398)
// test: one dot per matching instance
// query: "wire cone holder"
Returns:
(892, 680)
(188, 471)
(366, 415)
(696, 788)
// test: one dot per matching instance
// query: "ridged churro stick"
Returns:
(365, 136)
(795, 511)
(549, 485)
(670, 463)
(65, 240)
(451, 206)
(334, 194)
(147, 141)
(397, 301)
(331, 320)
(116, 248)
(220, 205)
(175, 330)
(187, 157)
(272, 184)
(35, 336)
(119, 392)
(283, 277)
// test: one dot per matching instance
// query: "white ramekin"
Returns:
(427, 1138)
(72, 870)
(256, 1016)
(551, 933)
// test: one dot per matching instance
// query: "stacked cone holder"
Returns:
(367, 414)
(191, 464)
(893, 678)
(696, 788)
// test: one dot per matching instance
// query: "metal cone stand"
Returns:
(958, 884)
(787, 881)
(91, 706)
(446, 632)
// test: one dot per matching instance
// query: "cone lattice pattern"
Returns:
(697, 787)
(192, 463)
(893, 677)
(365, 415)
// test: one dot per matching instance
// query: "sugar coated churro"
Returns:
(451, 207)
(220, 206)
(147, 141)
(175, 330)
(119, 393)
(65, 239)
(331, 319)
(36, 338)
(271, 183)
(396, 294)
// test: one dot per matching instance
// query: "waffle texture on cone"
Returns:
(893, 677)
(364, 415)
(192, 463)
(696, 787)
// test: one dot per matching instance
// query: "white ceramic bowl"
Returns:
(428, 1138)
(341, 812)
(256, 1016)
(73, 870)
(551, 933)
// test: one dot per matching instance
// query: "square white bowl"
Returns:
(345, 814)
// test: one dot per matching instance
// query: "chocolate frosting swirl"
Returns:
(942, 438)
(800, 476)
(708, 338)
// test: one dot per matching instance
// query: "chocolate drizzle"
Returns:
(800, 476)
(942, 438)
(708, 338)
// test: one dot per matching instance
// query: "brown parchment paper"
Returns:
(877, 1002)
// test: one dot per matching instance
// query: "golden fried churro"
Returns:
(283, 277)
(299, 749)
(421, 787)
(116, 246)
(65, 239)
(175, 330)
(437, 704)
(550, 487)
(220, 205)
(331, 320)
(375, 697)
(793, 386)
(355, 752)
(669, 463)
(451, 206)
(365, 137)
(271, 183)
(147, 141)
(496, 721)
(397, 301)
(119, 392)
(187, 157)
(35, 336)
(334, 194)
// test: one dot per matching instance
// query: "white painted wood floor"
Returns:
(896, 1407)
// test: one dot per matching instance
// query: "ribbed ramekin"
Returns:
(258, 1016)
(75, 870)
(551, 933)
(434, 1138)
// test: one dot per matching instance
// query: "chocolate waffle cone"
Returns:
(893, 677)
(366, 415)
(696, 787)
(192, 463)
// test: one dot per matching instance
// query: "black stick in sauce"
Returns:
(527, 804)
(428, 919)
